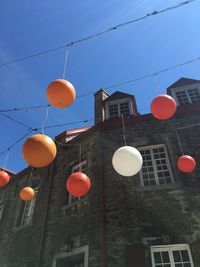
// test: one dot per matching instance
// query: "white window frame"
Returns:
(76, 168)
(73, 252)
(170, 249)
(154, 165)
(185, 89)
(30, 205)
(118, 102)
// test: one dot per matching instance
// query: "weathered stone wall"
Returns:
(118, 211)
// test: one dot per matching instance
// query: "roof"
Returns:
(117, 95)
(8, 171)
(74, 132)
(183, 82)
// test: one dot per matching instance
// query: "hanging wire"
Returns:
(45, 120)
(24, 108)
(80, 156)
(157, 83)
(114, 28)
(29, 180)
(18, 122)
(16, 142)
(123, 129)
(66, 58)
(179, 141)
(6, 159)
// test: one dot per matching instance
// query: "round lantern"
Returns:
(127, 161)
(27, 193)
(4, 178)
(78, 184)
(186, 163)
(163, 107)
(61, 93)
(39, 150)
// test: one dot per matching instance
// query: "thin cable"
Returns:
(45, 120)
(192, 125)
(6, 159)
(24, 108)
(157, 83)
(80, 156)
(115, 85)
(154, 13)
(179, 141)
(66, 58)
(11, 146)
(18, 122)
(29, 180)
(123, 129)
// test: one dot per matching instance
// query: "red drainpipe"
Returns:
(101, 207)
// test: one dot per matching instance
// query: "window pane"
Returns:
(187, 265)
(185, 256)
(177, 256)
(124, 108)
(194, 95)
(113, 111)
(178, 265)
(182, 98)
(165, 257)
(157, 257)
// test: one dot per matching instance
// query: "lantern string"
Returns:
(179, 141)
(45, 120)
(6, 159)
(95, 35)
(123, 129)
(29, 181)
(80, 157)
(66, 58)
(157, 83)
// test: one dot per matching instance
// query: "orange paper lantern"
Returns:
(27, 193)
(78, 184)
(39, 150)
(163, 107)
(4, 178)
(186, 163)
(61, 93)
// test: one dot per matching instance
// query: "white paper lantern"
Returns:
(127, 161)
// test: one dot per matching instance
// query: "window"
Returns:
(171, 256)
(76, 168)
(27, 210)
(1, 210)
(187, 96)
(117, 109)
(156, 168)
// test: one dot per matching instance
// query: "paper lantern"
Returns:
(78, 184)
(27, 193)
(39, 150)
(4, 178)
(61, 93)
(163, 107)
(127, 161)
(186, 164)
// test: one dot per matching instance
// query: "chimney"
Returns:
(99, 109)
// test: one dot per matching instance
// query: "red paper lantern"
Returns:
(163, 107)
(186, 163)
(78, 184)
(4, 178)
(27, 193)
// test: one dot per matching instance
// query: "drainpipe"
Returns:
(101, 207)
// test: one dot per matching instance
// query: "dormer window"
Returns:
(118, 108)
(184, 96)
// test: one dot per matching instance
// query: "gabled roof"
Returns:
(183, 82)
(117, 95)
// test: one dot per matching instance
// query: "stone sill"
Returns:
(77, 203)
(17, 228)
(158, 187)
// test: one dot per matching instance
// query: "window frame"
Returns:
(185, 89)
(118, 102)
(77, 167)
(151, 147)
(170, 249)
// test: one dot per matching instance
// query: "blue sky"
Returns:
(138, 49)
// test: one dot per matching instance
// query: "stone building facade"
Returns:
(149, 220)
